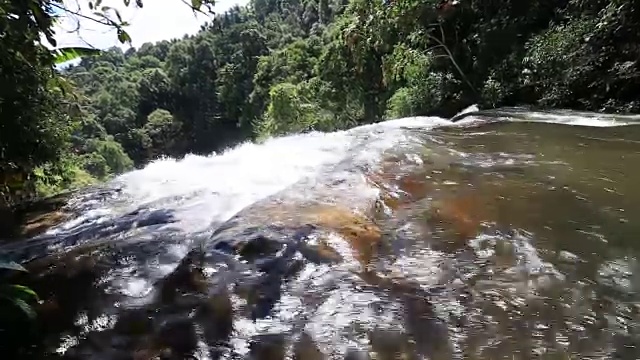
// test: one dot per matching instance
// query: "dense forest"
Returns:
(283, 66)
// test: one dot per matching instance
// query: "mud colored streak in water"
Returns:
(508, 240)
(547, 215)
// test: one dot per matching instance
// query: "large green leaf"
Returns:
(23, 292)
(25, 308)
(123, 36)
(10, 265)
(20, 296)
(71, 53)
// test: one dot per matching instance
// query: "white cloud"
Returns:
(156, 20)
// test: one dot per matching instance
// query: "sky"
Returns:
(156, 20)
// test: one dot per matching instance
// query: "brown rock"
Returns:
(32, 218)
(360, 232)
(357, 229)
(38, 224)
(321, 253)
(187, 277)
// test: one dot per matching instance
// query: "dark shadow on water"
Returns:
(76, 282)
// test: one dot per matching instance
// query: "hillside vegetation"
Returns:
(283, 66)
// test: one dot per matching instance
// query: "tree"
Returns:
(34, 127)
(276, 67)
(37, 106)
(43, 10)
(154, 89)
(163, 132)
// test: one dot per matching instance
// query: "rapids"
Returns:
(507, 234)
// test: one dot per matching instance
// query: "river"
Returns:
(509, 234)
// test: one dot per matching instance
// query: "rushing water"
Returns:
(507, 235)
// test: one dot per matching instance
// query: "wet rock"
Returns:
(78, 258)
(263, 294)
(259, 247)
(134, 322)
(306, 349)
(270, 225)
(145, 354)
(273, 258)
(357, 354)
(33, 217)
(429, 333)
(188, 277)
(363, 236)
(216, 317)
(568, 257)
(396, 285)
(271, 251)
(94, 347)
(271, 236)
(268, 347)
(38, 224)
(390, 345)
(179, 336)
(67, 288)
(322, 253)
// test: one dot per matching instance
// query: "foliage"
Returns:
(62, 55)
(44, 146)
(278, 67)
(35, 121)
(15, 297)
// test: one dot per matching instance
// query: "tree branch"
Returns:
(205, 3)
(450, 56)
(77, 13)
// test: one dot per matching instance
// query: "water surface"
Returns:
(509, 235)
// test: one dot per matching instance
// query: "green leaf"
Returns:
(139, 3)
(127, 2)
(62, 84)
(123, 36)
(196, 4)
(26, 308)
(22, 290)
(10, 265)
(71, 53)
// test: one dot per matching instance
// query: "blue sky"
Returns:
(157, 20)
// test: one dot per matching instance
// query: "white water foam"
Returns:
(570, 117)
(215, 187)
(202, 190)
